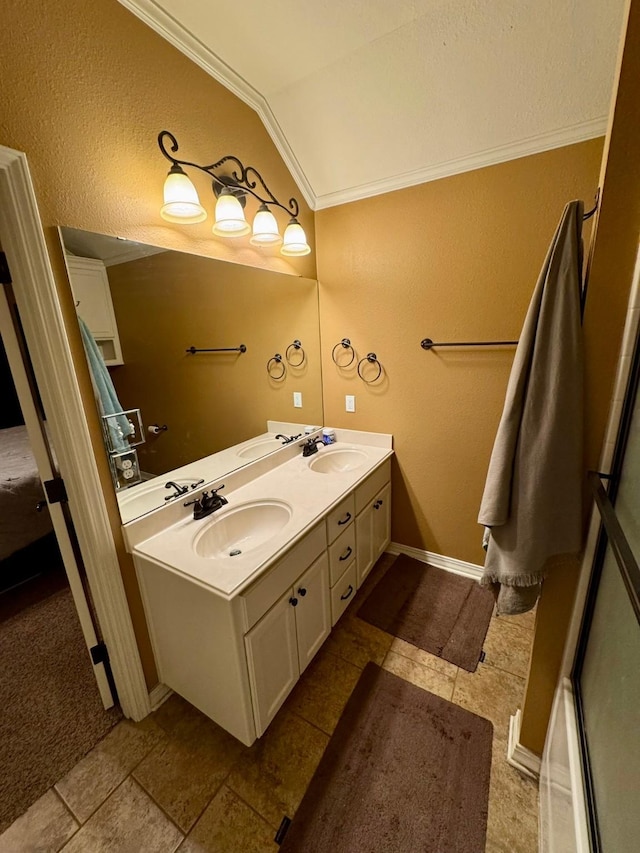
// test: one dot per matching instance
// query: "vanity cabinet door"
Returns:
(313, 611)
(272, 657)
(373, 526)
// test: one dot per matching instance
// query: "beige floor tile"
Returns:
(323, 690)
(230, 826)
(184, 771)
(512, 825)
(435, 682)
(174, 712)
(491, 693)
(274, 774)
(44, 827)
(525, 621)
(90, 782)
(358, 642)
(507, 647)
(407, 650)
(128, 822)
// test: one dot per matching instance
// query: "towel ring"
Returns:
(345, 343)
(295, 346)
(276, 359)
(370, 358)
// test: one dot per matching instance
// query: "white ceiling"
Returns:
(365, 97)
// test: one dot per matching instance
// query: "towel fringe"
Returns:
(531, 579)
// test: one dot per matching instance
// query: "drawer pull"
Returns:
(346, 519)
(346, 554)
(378, 504)
(347, 594)
(302, 591)
(293, 602)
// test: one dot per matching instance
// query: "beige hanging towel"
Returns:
(532, 501)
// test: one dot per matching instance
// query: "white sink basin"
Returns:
(337, 460)
(242, 529)
(259, 448)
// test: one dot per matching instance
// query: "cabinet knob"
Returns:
(302, 591)
(293, 602)
(346, 554)
(346, 519)
(378, 504)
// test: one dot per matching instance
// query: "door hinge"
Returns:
(99, 653)
(5, 273)
(56, 491)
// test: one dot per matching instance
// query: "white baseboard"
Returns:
(519, 756)
(449, 564)
(159, 695)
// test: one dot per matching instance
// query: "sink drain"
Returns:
(235, 552)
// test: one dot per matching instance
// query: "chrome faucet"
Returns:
(207, 503)
(310, 446)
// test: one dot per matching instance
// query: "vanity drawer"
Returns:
(343, 592)
(259, 597)
(340, 517)
(341, 552)
(372, 485)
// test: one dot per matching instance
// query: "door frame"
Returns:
(37, 298)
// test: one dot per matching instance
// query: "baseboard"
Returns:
(159, 695)
(449, 564)
(519, 756)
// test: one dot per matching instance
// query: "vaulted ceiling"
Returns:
(366, 97)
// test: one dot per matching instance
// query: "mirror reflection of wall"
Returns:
(165, 302)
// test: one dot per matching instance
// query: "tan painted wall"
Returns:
(168, 302)
(86, 88)
(456, 259)
(613, 256)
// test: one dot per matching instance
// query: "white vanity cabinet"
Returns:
(237, 656)
(90, 287)
(282, 644)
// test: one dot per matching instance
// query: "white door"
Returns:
(40, 448)
(313, 610)
(381, 521)
(364, 542)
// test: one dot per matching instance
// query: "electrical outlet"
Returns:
(297, 399)
(350, 403)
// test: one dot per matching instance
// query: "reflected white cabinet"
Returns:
(373, 532)
(90, 287)
(282, 644)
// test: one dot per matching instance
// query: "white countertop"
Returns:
(309, 494)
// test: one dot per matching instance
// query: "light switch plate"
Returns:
(350, 403)
(297, 399)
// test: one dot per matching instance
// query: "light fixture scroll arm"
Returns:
(293, 208)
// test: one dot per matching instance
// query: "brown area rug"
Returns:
(442, 613)
(50, 709)
(404, 772)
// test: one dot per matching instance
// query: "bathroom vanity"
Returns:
(239, 603)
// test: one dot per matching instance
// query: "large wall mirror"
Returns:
(145, 308)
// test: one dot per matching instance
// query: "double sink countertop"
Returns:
(285, 480)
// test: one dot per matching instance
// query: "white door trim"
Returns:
(37, 298)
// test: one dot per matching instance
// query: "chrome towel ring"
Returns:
(273, 362)
(345, 343)
(294, 347)
(370, 358)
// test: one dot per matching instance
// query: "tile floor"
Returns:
(177, 782)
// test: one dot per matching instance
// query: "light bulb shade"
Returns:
(181, 202)
(295, 240)
(230, 221)
(265, 228)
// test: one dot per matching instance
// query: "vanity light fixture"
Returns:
(182, 205)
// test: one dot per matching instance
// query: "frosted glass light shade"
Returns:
(295, 240)
(181, 202)
(265, 228)
(230, 221)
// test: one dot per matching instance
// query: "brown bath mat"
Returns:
(442, 613)
(404, 771)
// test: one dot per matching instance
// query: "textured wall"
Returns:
(456, 259)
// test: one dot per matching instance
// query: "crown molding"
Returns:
(489, 157)
(172, 31)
